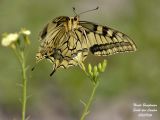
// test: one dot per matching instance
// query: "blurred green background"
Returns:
(129, 78)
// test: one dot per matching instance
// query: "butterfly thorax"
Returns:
(71, 23)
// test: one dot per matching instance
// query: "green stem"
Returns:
(24, 86)
(85, 111)
(17, 53)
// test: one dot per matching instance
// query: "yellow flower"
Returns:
(7, 40)
(25, 32)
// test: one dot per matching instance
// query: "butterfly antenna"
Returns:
(89, 10)
(74, 10)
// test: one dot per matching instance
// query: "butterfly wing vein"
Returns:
(66, 49)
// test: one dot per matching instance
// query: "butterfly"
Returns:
(66, 41)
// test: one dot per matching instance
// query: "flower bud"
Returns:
(99, 67)
(104, 64)
(90, 69)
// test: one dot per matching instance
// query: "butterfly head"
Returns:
(71, 23)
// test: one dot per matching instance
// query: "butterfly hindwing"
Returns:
(59, 46)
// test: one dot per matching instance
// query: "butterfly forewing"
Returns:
(103, 40)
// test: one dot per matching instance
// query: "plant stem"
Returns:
(85, 111)
(24, 85)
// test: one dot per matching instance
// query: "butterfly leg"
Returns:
(52, 72)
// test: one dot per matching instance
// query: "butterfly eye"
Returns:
(68, 18)
(75, 18)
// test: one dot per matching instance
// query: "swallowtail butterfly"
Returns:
(65, 38)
